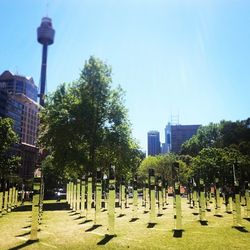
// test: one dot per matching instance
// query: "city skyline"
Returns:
(171, 57)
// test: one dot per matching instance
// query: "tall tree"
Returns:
(206, 136)
(85, 124)
(8, 138)
(220, 135)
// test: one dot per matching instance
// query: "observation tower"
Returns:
(45, 36)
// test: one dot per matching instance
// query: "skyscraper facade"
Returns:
(176, 135)
(18, 96)
(179, 134)
(154, 146)
(18, 84)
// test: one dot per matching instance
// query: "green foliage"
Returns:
(220, 135)
(163, 165)
(216, 148)
(8, 138)
(84, 125)
(217, 162)
(206, 136)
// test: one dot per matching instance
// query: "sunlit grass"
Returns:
(62, 229)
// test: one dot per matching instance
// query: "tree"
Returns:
(206, 136)
(8, 138)
(217, 162)
(163, 166)
(220, 135)
(84, 124)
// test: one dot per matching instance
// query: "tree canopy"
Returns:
(220, 135)
(218, 149)
(85, 125)
(8, 138)
(163, 166)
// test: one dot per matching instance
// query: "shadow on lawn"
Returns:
(24, 234)
(106, 239)
(151, 225)
(56, 206)
(23, 208)
(27, 243)
(93, 228)
(134, 219)
(241, 229)
(177, 233)
(46, 207)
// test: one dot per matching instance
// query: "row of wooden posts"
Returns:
(82, 198)
(8, 200)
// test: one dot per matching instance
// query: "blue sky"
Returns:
(172, 57)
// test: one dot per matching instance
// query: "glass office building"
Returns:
(17, 84)
(18, 100)
(154, 145)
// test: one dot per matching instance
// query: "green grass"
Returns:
(61, 229)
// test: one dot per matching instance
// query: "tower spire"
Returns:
(45, 36)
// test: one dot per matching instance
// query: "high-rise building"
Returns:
(18, 98)
(18, 95)
(178, 134)
(18, 84)
(154, 145)
(167, 144)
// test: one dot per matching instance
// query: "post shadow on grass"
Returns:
(204, 222)
(55, 206)
(121, 215)
(241, 229)
(73, 214)
(106, 239)
(78, 218)
(134, 219)
(248, 219)
(92, 228)
(27, 243)
(84, 222)
(23, 208)
(27, 227)
(177, 233)
(151, 225)
(218, 215)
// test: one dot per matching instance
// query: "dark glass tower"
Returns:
(154, 146)
(45, 36)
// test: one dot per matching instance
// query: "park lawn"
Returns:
(63, 229)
